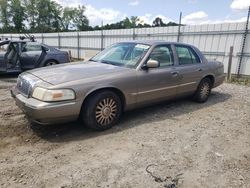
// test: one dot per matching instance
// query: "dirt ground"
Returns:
(208, 144)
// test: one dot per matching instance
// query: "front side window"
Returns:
(186, 55)
(163, 54)
(122, 54)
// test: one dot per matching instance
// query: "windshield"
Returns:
(122, 54)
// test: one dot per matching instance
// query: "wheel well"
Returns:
(115, 90)
(51, 60)
(210, 77)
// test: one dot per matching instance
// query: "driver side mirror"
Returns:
(151, 64)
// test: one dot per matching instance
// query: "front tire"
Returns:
(102, 110)
(203, 91)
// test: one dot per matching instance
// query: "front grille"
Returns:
(24, 86)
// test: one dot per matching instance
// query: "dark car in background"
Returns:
(21, 55)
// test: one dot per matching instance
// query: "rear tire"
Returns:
(102, 110)
(203, 91)
(50, 63)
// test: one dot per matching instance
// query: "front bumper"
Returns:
(45, 113)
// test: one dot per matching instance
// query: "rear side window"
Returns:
(187, 55)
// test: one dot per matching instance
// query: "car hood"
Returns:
(74, 71)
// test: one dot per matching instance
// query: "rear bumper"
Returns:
(219, 80)
(45, 113)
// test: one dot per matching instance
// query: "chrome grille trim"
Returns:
(24, 86)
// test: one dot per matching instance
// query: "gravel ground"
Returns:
(208, 144)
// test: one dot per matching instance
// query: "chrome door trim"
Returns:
(164, 88)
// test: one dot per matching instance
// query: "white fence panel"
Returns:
(213, 40)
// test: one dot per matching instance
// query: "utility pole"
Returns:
(179, 28)
(243, 43)
(134, 24)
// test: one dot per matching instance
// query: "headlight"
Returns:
(53, 95)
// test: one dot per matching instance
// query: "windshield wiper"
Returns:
(108, 62)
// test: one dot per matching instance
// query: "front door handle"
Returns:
(200, 69)
(175, 73)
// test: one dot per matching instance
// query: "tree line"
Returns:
(36, 16)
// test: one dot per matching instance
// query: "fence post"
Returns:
(59, 41)
(42, 38)
(230, 63)
(70, 55)
(102, 38)
(78, 45)
(133, 33)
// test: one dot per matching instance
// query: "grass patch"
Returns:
(241, 81)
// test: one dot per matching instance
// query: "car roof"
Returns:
(154, 42)
(21, 41)
(1, 41)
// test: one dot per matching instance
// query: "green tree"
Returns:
(134, 20)
(5, 14)
(31, 13)
(127, 23)
(68, 18)
(81, 21)
(42, 15)
(172, 24)
(158, 22)
(48, 16)
(55, 16)
(17, 14)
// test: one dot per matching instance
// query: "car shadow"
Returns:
(9, 75)
(159, 112)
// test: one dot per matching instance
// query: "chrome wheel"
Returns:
(102, 110)
(106, 111)
(205, 89)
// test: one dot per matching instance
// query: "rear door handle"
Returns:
(200, 69)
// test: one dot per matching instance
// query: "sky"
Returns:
(193, 11)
